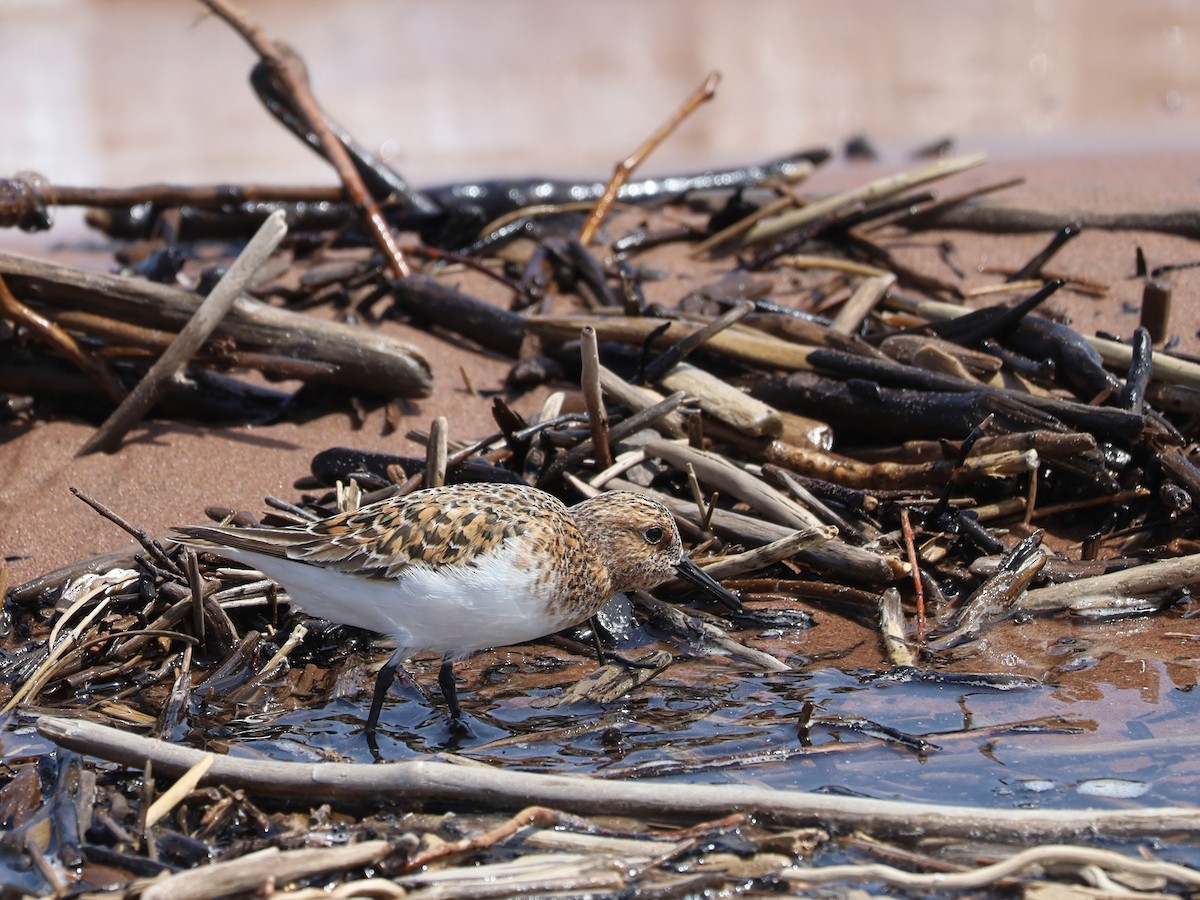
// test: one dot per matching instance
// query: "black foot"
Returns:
(604, 656)
(609, 656)
(383, 681)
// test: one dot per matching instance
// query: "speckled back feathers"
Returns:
(567, 562)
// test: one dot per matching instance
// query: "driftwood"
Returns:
(742, 345)
(353, 358)
(723, 402)
(1002, 218)
(208, 316)
(887, 186)
(434, 782)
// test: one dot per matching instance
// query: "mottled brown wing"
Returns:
(385, 538)
(445, 526)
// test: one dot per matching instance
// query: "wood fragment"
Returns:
(428, 300)
(442, 782)
(700, 636)
(627, 166)
(862, 302)
(743, 345)
(721, 473)
(286, 66)
(19, 314)
(1114, 586)
(610, 683)
(355, 358)
(593, 398)
(891, 627)
(724, 402)
(271, 867)
(207, 317)
(881, 188)
(437, 453)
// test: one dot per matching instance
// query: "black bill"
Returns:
(689, 571)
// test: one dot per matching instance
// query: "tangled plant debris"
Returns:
(839, 434)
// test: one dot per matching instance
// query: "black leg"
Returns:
(596, 639)
(608, 656)
(383, 681)
(449, 689)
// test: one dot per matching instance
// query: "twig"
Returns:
(914, 562)
(436, 453)
(645, 418)
(441, 782)
(724, 567)
(53, 661)
(679, 351)
(745, 223)
(626, 167)
(851, 563)
(151, 545)
(870, 192)
(861, 302)
(742, 345)
(207, 317)
(286, 66)
(832, 263)
(19, 314)
(639, 398)
(698, 496)
(196, 584)
(299, 633)
(1005, 219)
(254, 871)
(1166, 368)
(1050, 854)
(183, 786)
(532, 816)
(36, 191)
(593, 398)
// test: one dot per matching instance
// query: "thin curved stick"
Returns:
(423, 780)
(983, 876)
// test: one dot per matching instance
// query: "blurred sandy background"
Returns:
(112, 92)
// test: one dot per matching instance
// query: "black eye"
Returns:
(653, 535)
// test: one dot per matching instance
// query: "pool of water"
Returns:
(1053, 712)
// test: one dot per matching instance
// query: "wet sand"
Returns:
(167, 472)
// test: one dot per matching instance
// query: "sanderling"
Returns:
(451, 570)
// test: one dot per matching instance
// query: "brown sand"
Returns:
(168, 471)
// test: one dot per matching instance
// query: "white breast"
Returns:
(452, 610)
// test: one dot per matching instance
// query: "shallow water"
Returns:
(1079, 715)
